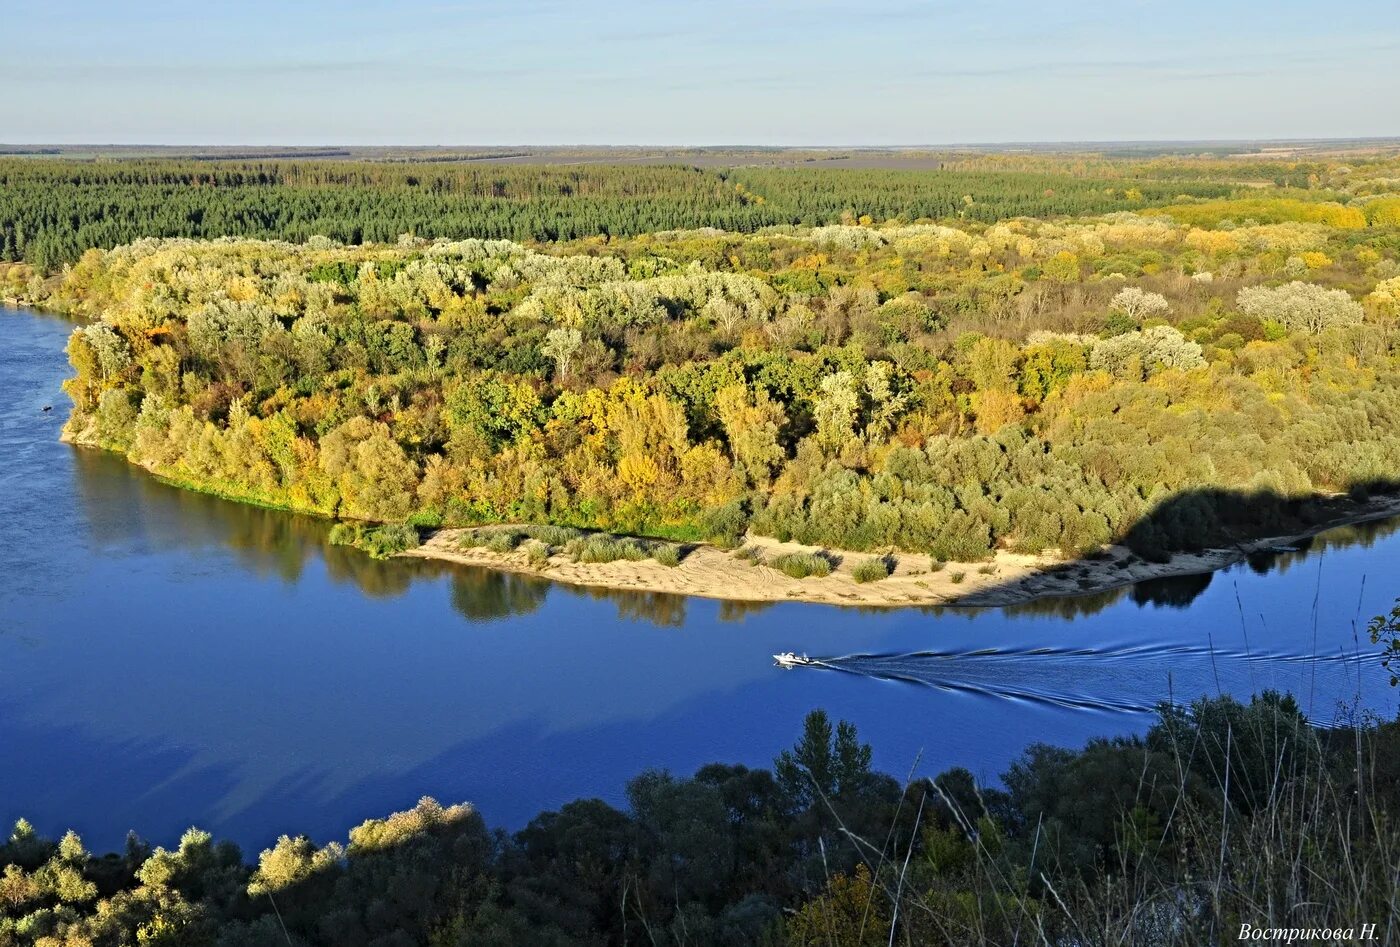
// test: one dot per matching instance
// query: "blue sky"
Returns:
(660, 72)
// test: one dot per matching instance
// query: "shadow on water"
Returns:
(1222, 520)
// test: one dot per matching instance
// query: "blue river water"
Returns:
(168, 659)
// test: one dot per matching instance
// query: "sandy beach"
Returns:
(1005, 579)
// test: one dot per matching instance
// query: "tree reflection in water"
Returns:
(126, 505)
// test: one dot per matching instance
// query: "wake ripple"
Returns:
(1132, 679)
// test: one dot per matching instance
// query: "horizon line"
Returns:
(827, 146)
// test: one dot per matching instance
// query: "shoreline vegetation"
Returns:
(748, 574)
(749, 570)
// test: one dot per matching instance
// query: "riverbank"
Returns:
(1005, 579)
(913, 581)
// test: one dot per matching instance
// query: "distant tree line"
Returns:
(51, 210)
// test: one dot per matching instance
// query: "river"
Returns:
(168, 659)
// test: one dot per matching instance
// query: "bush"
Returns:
(871, 570)
(504, 540)
(602, 548)
(725, 526)
(668, 554)
(471, 539)
(537, 552)
(752, 554)
(956, 577)
(962, 539)
(554, 535)
(935, 564)
(381, 542)
(800, 565)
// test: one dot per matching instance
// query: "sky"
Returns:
(659, 72)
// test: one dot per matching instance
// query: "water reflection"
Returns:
(125, 508)
(481, 595)
(122, 504)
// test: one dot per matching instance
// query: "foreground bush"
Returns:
(1223, 813)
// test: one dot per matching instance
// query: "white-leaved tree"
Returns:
(1138, 304)
(1300, 307)
(562, 345)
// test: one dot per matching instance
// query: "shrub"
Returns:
(956, 577)
(725, 525)
(935, 564)
(668, 554)
(602, 548)
(381, 542)
(752, 554)
(871, 570)
(343, 534)
(537, 552)
(962, 538)
(504, 540)
(553, 535)
(471, 539)
(1134, 354)
(800, 565)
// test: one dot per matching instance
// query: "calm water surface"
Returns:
(168, 659)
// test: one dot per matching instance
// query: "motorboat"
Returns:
(789, 660)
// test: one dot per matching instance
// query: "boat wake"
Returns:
(1131, 679)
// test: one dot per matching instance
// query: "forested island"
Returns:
(896, 395)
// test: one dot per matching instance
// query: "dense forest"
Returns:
(946, 389)
(1223, 814)
(51, 210)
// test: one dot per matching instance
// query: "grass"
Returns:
(935, 564)
(381, 542)
(1284, 841)
(668, 554)
(553, 535)
(871, 570)
(601, 548)
(537, 552)
(504, 540)
(750, 554)
(956, 577)
(539, 543)
(801, 565)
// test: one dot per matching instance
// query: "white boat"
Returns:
(789, 660)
